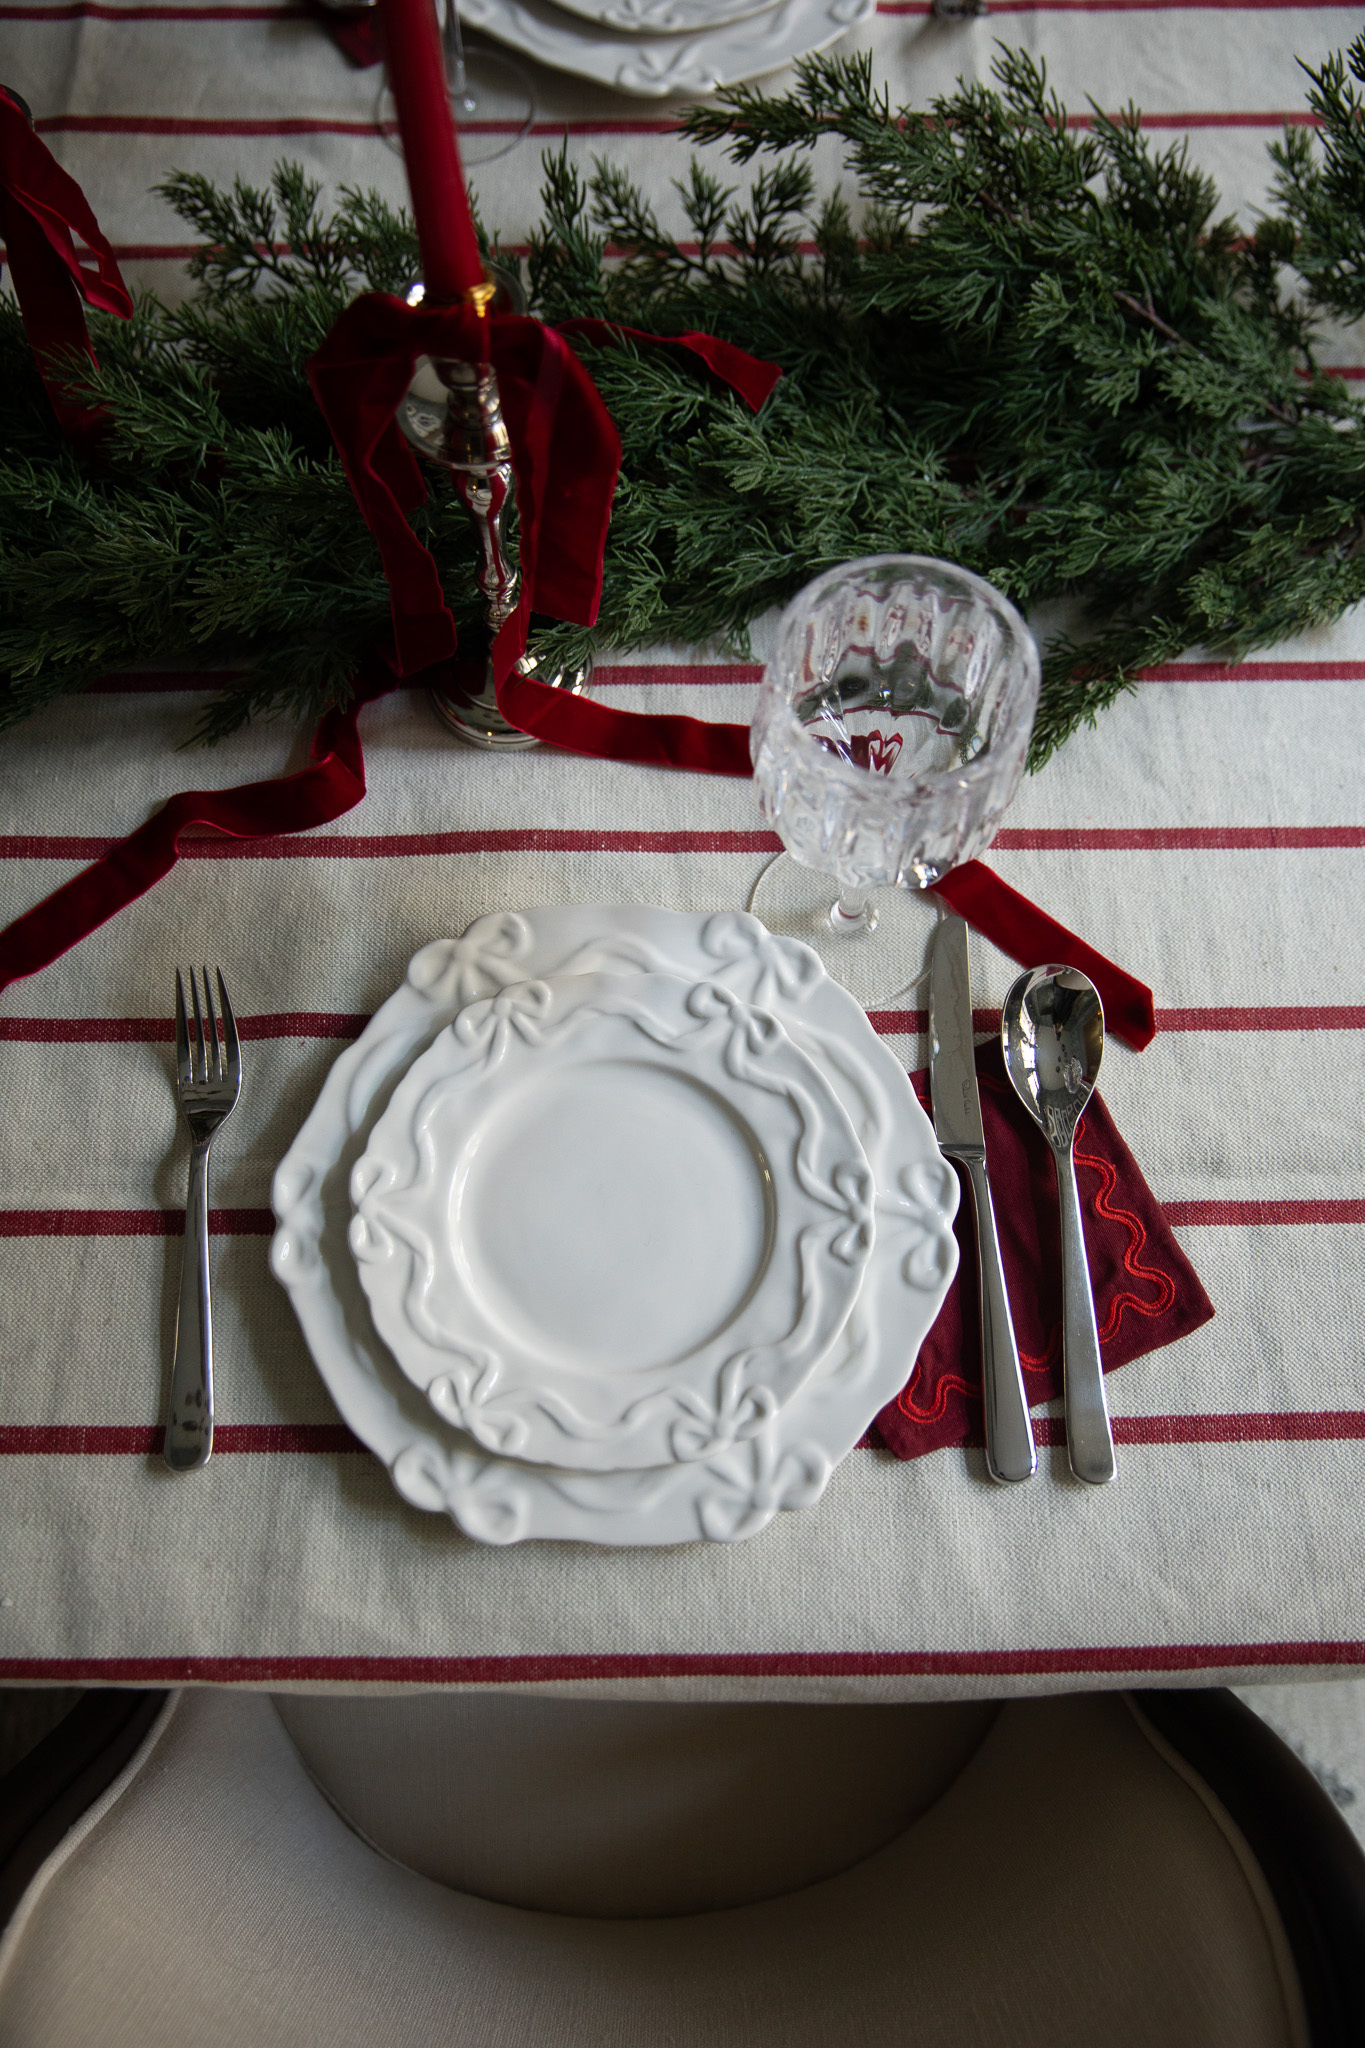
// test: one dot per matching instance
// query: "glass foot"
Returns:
(878, 958)
(493, 110)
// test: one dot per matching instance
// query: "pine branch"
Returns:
(1040, 352)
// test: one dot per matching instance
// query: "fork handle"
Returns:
(189, 1427)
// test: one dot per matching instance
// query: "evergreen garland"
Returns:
(1033, 350)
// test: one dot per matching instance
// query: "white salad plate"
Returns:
(736, 1492)
(664, 17)
(611, 1220)
(653, 66)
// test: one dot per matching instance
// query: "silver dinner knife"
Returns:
(1010, 1451)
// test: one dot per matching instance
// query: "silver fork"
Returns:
(210, 1079)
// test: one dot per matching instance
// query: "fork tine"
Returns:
(198, 1057)
(183, 1066)
(213, 1066)
(231, 1048)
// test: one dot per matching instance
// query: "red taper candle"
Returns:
(451, 264)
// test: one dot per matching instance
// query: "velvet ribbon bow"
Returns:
(40, 205)
(566, 455)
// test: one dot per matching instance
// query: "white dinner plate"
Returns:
(737, 1492)
(653, 66)
(611, 1221)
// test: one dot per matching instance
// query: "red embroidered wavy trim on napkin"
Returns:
(1146, 1291)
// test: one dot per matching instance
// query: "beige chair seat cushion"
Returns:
(1069, 1888)
(622, 1810)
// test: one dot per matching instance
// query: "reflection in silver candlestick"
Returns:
(452, 415)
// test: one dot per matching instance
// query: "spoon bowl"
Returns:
(1052, 1033)
(1052, 1027)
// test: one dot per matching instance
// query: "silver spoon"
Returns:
(1052, 1030)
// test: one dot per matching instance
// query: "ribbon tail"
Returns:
(747, 376)
(332, 785)
(1031, 937)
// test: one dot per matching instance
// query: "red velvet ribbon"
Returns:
(332, 785)
(40, 204)
(1027, 934)
(566, 455)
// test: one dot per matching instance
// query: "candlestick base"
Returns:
(475, 720)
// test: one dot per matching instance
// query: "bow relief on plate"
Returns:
(921, 1207)
(718, 52)
(612, 1221)
(732, 1497)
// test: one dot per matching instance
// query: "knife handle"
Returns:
(1010, 1451)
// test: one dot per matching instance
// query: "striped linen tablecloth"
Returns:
(1209, 835)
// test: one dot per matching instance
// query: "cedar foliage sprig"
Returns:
(1034, 350)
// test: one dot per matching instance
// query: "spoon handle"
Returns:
(1089, 1439)
(1010, 1452)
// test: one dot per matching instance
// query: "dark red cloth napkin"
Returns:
(354, 30)
(1146, 1291)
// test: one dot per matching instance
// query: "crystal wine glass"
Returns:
(484, 87)
(890, 734)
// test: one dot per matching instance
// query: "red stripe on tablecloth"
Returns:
(130, 1222)
(543, 1670)
(1310, 1426)
(143, 682)
(692, 674)
(705, 673)
(94, 10)
(161, 1030)
(1175, 838)
(260, 1222)
(156, 682)
(1204, 1213)
(312, 1439)
(1323, 1017)
(890, 1023)
(182, 125)
(143, 1439)
(1327, 1017)
(1256, 671)
(392, 846)
(533, 839)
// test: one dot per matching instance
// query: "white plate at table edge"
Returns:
(734, 1495)
(652, 66)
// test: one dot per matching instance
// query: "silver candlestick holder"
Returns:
(452, 415)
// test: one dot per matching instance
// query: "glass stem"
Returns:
(453, 44)
(853, 912)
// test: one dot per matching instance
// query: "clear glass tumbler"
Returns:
(890, 734)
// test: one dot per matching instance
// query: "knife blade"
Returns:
(1010, 1451)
